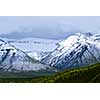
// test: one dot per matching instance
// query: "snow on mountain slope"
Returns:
(76, 51)
(34, 47)
(13, 59)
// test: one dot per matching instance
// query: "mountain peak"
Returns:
(77, 37)
(88, 34)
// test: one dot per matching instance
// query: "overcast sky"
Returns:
(47, 27)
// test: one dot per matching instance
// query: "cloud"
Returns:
(55, 27)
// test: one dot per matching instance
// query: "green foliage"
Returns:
(79, 75)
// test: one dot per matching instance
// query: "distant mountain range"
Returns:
(35, 54)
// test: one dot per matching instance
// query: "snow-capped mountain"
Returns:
(36, 48)
(76, 51)
(13, 59)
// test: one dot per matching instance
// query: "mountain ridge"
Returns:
(13, 59)
(77, 50)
